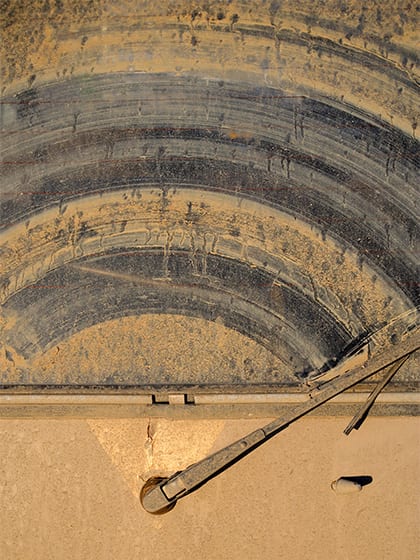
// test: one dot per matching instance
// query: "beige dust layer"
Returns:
(157, 349)
(64, 494)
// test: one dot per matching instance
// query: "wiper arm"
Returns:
(159, 495)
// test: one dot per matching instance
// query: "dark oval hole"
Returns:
(363, 480)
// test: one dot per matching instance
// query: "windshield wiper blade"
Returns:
(361, 415)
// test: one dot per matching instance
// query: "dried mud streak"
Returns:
(259, 226)
(315, 47)
(328, 51)
(54, 240)
(335, 177)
